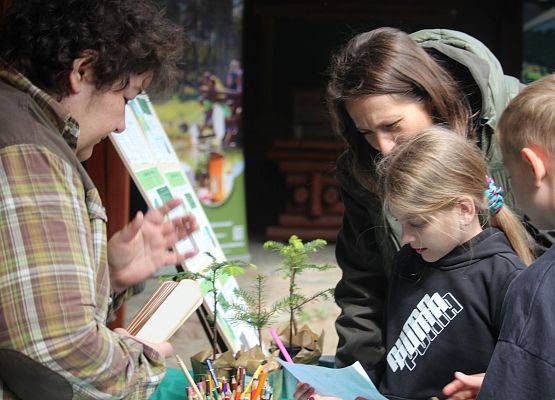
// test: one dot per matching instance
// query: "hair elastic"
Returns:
(494, 195)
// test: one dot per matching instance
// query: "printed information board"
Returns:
(154, 166)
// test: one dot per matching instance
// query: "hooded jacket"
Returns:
(365, 248)
(445, 316)
(523, 363)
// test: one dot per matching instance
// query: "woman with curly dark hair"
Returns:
(67, 70)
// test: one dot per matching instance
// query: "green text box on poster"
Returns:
(176, 179)
(150, 178)
(190, 201)
(164, 194)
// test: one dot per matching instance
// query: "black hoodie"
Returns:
(444, 316)
(523, 363)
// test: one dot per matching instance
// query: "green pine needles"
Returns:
(296, 260)
(254, 309)
(252, 306)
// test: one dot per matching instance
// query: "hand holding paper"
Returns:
(165, 349)
(306, 392)
(345, 383)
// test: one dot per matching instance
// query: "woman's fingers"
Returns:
(303, 391)
(167, 207)
(129, 232)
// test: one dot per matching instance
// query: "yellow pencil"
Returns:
(188, 376)
(261, 383)
(256, 373)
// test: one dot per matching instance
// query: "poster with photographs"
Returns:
(203, 116)
(153, 164)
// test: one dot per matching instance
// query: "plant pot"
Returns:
(293, 351)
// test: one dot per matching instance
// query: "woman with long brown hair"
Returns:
(386, 85)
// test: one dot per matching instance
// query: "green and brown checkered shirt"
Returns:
(54, 277)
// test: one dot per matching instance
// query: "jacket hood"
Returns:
(495, 87)
(486, 244)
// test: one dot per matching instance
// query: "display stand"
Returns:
(156, 170)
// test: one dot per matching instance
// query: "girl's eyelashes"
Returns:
(393, 126)
(416, 224)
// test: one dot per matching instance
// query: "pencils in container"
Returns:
(213, 373)
(261, 383)
(254, 388)
(188, 376)
(247, 389)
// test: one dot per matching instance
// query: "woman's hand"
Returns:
(303, 391)
(306, 392)
(144, 245)
(464, 387)
(165, 349)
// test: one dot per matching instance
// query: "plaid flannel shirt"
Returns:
(54, 276)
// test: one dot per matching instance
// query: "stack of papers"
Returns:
(166, 310)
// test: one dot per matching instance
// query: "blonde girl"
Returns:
(462, 248)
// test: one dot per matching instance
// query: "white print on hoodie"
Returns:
(425, 323)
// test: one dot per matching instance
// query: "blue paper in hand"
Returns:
(346, 383)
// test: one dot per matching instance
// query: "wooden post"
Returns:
(4, 4)
(112, 181)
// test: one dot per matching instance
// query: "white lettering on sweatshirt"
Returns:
(422, 327)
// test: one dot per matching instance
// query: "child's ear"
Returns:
(535, 160)
(467, 209)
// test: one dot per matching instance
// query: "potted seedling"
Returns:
(295, 257)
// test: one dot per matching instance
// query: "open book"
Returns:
(166, 310)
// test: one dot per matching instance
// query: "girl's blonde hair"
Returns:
(430, 171)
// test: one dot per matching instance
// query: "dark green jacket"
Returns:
(365, 248)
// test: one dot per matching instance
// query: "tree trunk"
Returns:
(291, 310)
(259, 311)
(214, 330)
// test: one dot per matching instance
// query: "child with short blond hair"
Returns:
(523, 363)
